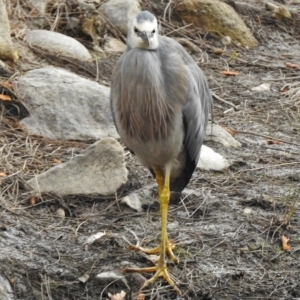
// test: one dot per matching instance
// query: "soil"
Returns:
(228, 226)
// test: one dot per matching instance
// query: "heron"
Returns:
(160, 101)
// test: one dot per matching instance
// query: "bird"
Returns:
(160, 102)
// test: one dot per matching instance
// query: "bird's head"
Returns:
(143, 31)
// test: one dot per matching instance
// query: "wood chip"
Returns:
(291, 65)
(230, 73)
(5, 97)
(285, 245)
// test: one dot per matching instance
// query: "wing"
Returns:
(195, 117)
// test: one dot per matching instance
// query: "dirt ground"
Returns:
(228, 226)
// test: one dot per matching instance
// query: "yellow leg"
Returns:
(160, 179)
(165, 247)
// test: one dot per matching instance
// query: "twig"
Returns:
(282, 78)
(224, 101)
(167, 7)
(268, 137)
(269, 167)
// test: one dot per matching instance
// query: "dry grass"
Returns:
(228, 227)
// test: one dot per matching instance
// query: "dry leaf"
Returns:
(230, 131)
(5, 97)
(33, 200)
(57, 161)
(273, 142)
(285, 89)
(285, 245)
(119, 296)
(141, 296)
(6, 84)
(3, 174)
(230, 73)
(292, 66)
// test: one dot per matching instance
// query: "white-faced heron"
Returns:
(160, 101)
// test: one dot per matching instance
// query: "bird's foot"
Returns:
(160, 271)
(170, 246)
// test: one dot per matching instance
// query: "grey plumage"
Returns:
(160, 97)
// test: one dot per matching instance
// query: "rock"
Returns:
(265, 87)
(57, 44)
(112, 44)
(6, 46)
(100, 169)
(210, 160)
(6, 292)
(63, 105)
(133, 201)
(121, 12)
(217, 134)
(216, 16)
(40, 5)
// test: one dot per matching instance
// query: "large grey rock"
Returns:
(121, 12)
(100, 169)
(57, 44)
(63, 105)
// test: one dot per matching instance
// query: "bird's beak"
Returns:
(146, 37)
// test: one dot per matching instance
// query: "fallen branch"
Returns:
(268, 137)
(224, 101)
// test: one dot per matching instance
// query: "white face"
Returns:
(144, 34)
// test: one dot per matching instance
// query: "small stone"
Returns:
(133, 201)
(61, 213)
(218, 134)
(265, 87)
(121, 12)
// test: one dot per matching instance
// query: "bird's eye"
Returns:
(136, 30)
(153, 31)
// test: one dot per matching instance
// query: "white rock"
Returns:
(61, 213)
(133, 201)
(217, 134)
(121, 12)
(265, 87)
(100, 169)
(247, 211)
(63, 105)
(57, 44)
(210, 160)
